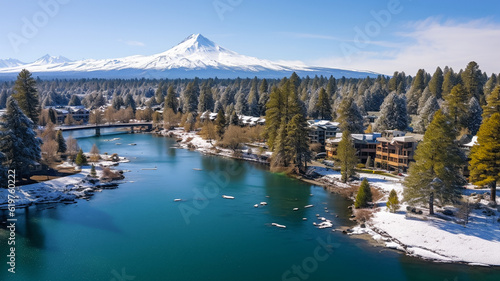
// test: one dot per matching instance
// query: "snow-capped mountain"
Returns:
(47, 59)
(10, 63)
(194, 56)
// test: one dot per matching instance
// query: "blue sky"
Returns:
(382, 36)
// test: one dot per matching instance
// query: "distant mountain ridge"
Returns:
(195, 56)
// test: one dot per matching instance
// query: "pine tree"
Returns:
(485, 156)
(426, 114)
(393, 115)
(457, 107)
(436, 83)
(3, 98)
(280, 157)
(171, 100)
(346, 156)
(52, 116)
(488, 86)
(74, 101)
(191, 97)
(116, 102)
(364, 195)
(93, 172)
(18, 141)
(415, 92)
(474, 118)
(435, 176)
(349, 117)
(449, 82)
(26, 94)
(492, 103)
(80, 159)
(129, 101)
(234, 119)
(471, 79)
(61, 143)
(273, 115)
(241, 106)
(393, 201)
(205, 100)
(331, 88)
(253, 102)
(160, 93)
(323, 105)
(220, 123)
(297, 141)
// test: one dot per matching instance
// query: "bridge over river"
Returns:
(147, 125)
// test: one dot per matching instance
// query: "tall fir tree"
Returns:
(253, 102)
(273, 115)
(426, 114)
(471, 80)
(61, 142)
(474, 118)
(413, 95)
(18, 141)
(435, 176)
(191, 97)
(26, 94)
(364, 195)
(393, 115)
(220, 123)
(349, 116)
(346, 156)
(171, 99)
(436, 83)
(449, 81)
(457, 107)
(485, 156)
(323, 105)
(492, 103)
(205, 100)
(297, 141)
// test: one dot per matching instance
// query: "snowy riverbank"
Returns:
(62, 190)
(191, 140)
(439, 238)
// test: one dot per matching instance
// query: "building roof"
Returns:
(472, 142)
(366, 138)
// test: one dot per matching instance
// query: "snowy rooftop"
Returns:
(472, 142)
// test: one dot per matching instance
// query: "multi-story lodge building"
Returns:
(365, 144)
(321, 130)
(395, 151)
(78, 113)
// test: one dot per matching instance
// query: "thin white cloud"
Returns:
(427, 44)
(135, 43)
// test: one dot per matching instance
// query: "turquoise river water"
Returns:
(138, 232)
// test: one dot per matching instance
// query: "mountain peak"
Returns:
(48, 59)
(196, 43)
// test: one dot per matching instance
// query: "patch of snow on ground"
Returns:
(433, 238)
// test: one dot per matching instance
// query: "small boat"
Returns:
(227, 197)
(308, 206)
(177, 200)
(295, 209)
(197, 169)
(278, 225)
(132, 144)
(256, 205)
(117, 143)
(263, 203)
(304, 219)
(150, 168)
